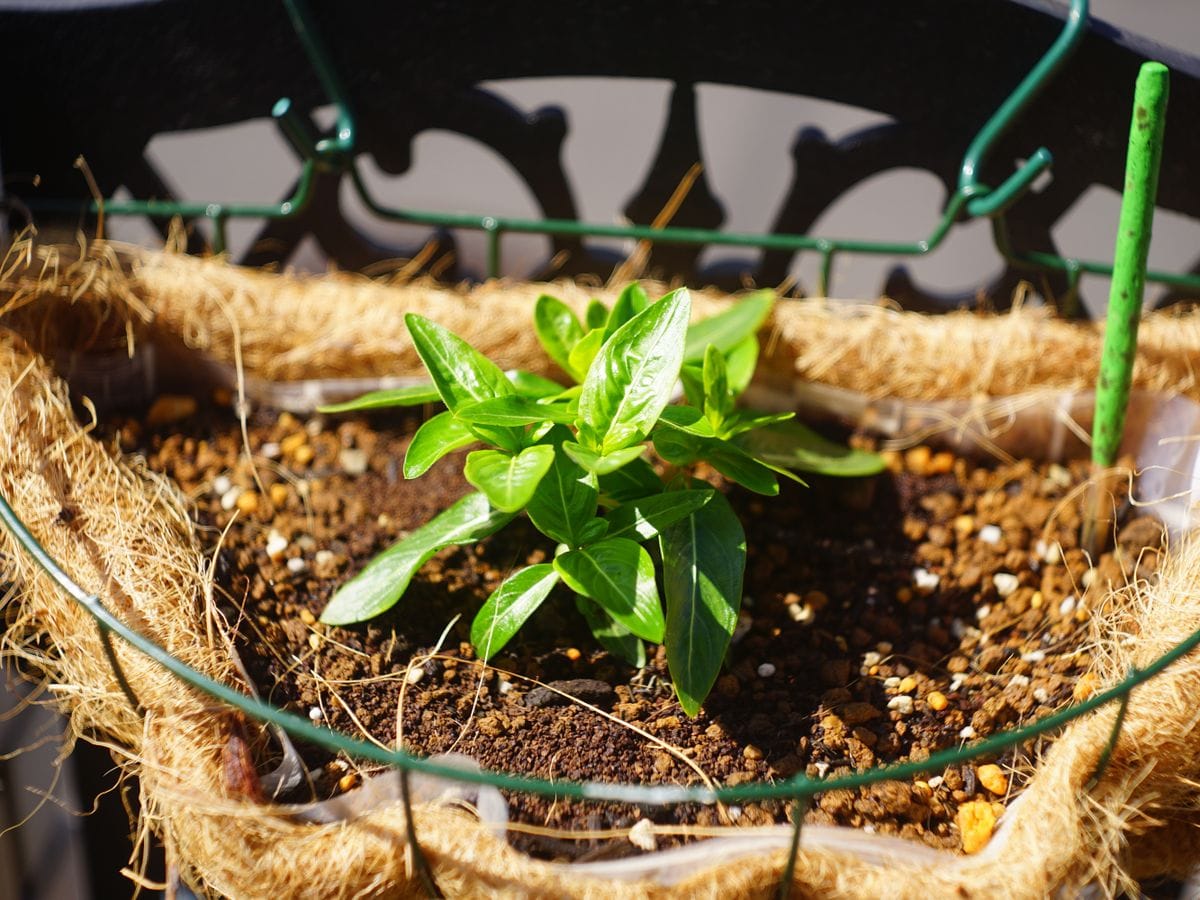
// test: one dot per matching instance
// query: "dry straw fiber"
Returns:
(127, 538)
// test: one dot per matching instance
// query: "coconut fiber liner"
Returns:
(124, 534)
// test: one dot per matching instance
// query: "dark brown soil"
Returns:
(883, 621)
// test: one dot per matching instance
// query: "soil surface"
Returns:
(883, 620)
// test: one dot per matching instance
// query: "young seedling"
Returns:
(573, 459)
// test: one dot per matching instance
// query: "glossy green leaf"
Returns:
(515, 411)
(688, 419)
(677, 446)
(610, 634)
(530, 384)
(434, 439)
(704, 560)
(740, 363)
(619, 575)
(691, 375)
(509, 607)
(631, 301)
(592, 531)
(596, 315)
(718, 402)
(557, 329)
(632, 377)
(794, 446)
(585, 352)
(630, 482)
(601, 463)
(565, 501)
(509, 479)
(460, 373)
(729, 327)
(748, 420)
(645, 518)
(416, 395)
(385, 578)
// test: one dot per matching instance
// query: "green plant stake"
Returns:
(1128, 281)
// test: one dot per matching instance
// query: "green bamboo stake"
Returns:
(1128, 281)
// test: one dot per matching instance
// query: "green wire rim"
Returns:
(800, 787)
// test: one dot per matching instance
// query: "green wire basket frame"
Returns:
(337, 153)
(971, 200)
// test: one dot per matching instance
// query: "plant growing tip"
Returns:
(573, 458)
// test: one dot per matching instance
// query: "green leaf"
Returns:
(417, 395)
(509, 480)
(385, 578)
(619, 575)
(676, 446)
(530, 384)
(592, 531)
(631, 302)
(692, 377)
(509, 607)
(630, 482)
(740, 363)
(643, 519)
(557, 328)
(565, 500)
(730, 327)
(434, 439)
(610, 634)
(704, 559)
(748, 420)
(601, 463)
(682, 449)
(633, 375)
(596, 315)
(687, 419)
(718, 402)
(515, 411)
(585, 352)
(462, 375)
(794, 446)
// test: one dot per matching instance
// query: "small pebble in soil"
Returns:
(315, 714)
(347, 782)
(990, 534)
(967, 733)
(307, 617)
(416, 673)
(975, 821)
(247, 503)
(353, 461)
(983, 612)
(221, 484)
(1006, 583)
(1019, 680)
(270, 450)
(805, 615)
(296, 565)
(937, 701)
(924, 580)
(1033, 656)
(229, 499)
(278, 493)
(766, 670)
(1041, 695)
(902, 704)
(277, 544)
(992, 778)
(1067, 606)
(641, 835)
